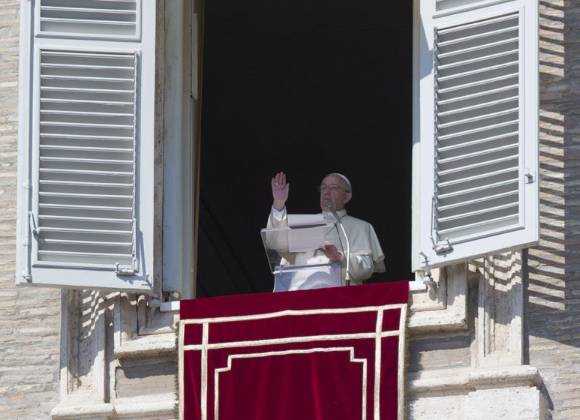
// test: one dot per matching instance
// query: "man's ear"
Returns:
(348, 198)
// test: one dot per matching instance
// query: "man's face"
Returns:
(333, 195)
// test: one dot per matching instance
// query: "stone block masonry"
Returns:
(553, 290)
(29, 317)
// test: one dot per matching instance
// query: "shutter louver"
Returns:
(476, 130)
(87, 144)
(477, 123)
(442, 5)
(87, 158)
(89, 17)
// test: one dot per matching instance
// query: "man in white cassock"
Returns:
(366, 255)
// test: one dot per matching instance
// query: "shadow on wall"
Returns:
(551, 270)
(85, 335)
(553, 285)
(553, 267)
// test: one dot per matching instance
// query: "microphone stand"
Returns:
(335, 214)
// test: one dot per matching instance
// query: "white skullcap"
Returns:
(345, 179)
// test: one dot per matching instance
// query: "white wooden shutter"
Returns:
(476, 120)
(87, 81)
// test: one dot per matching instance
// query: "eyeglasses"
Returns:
(332, 188)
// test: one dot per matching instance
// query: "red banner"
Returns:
(318, 354)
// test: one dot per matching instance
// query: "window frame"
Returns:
(180, 160)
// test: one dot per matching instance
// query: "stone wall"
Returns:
(553, 289)
(29, 317)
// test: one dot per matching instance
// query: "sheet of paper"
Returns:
(305, 239)
(297, 220)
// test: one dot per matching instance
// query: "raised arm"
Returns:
(280, 188)
(280, 191)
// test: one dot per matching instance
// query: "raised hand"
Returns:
(280, 190)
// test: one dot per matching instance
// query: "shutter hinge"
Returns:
(529, 176)
(442, 247)
(34, 227)
(423, 259)
(124, 270)
(426, 277)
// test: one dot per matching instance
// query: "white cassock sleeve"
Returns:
(366, 255)
(277, 219)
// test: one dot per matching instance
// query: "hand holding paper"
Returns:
(331, 252)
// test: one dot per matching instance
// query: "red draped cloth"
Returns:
(305, 355)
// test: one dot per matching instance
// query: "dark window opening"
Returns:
(307, 87)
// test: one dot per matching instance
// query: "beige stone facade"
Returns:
(553, 292)
(498, 340)
(29, 318)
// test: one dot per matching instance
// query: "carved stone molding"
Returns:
(443, 305)
(99, 333)
(511, 392)
(499, 325)
(84, 385)
(142, 329)
(461, 381)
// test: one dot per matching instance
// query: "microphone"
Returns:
(330, 208)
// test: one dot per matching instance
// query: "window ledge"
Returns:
(169, 306)
(418, 286)
(148, 345)
(146, 406)
(81, 410)
(150, 406)
(441, 305)
(466, 380)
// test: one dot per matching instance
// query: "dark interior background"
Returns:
(308, 87)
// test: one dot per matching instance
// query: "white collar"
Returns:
(329, 217)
